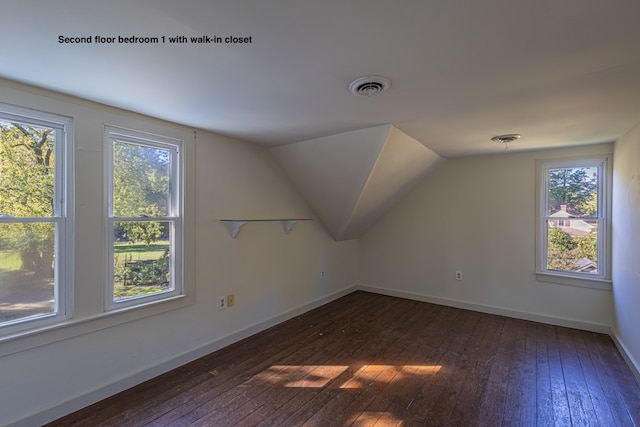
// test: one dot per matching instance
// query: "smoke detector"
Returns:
(506, 139)
(369, 85)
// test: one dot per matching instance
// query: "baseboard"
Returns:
(535, 317)
(86, 399)
(626, 355)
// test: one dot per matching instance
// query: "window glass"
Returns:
(140, 180)
(32, 219)
(141, 258)
(572, 227)
(573, 221)
(145, 218)
(573, 247)
(27, 280)
(573, 191)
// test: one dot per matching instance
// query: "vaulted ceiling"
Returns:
(351, 179)
(560, 73)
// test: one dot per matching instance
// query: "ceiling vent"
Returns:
(506, 139)
(369, 85)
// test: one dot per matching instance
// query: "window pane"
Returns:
(572, 245)
(573, 192)
(26, 170)
(141, 258)
(27, 254)
(140, 180)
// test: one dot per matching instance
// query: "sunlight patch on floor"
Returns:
(371, 373)
(312, 376)
(318, 376)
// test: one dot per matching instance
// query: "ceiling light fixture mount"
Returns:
(369, 85)
(506, 138)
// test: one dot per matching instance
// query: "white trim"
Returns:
(535, 317)
(62, 216)
(43, 416)
(571, 280)
(33, 116)
(175, 214)
(626, 355)
(601, 280)
(47, 334)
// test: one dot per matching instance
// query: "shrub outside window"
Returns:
(573, 219)
(144, 231)
(35, 225)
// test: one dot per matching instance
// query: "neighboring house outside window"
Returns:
(575, 227)
(35, 219)
(573, 221)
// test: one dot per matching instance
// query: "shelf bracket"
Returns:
(288, 225)
(234, 227)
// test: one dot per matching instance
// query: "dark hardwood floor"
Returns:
(368, 359)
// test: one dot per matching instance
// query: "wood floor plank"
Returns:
(384, 344)
(494, 396)
(373, 360)
(603, 413)
(529, 413)
(544, 393)
(561, 412)
(520, 406)
(580, 405)
(616, 379)
(395, 398)
(465, 411)
(450, 377)
(369, 381)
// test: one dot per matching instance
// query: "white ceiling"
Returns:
(559, 72)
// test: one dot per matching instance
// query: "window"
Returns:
(573, 220)
(144, 230)
(35, 225)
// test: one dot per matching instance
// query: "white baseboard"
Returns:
(626, 355)
(557, 321)
(86, 399)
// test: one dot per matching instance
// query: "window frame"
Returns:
(62, 217)
(601, 280)
(175, 215)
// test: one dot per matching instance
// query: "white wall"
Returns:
(272, 275)
(477, 215)
(626, 244)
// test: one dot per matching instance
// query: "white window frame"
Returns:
(175, 215)
(62, 216)
(601, 280)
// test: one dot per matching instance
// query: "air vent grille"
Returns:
(369, 85)
(505, 139)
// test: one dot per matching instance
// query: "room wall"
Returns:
(626, 245)
(477, 215)
(273, 275)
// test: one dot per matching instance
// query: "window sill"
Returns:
(33, 338)
(582, 282)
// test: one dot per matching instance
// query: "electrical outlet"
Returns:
(231, 300)
(222, 303)
(323, 274)
(458, 275)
